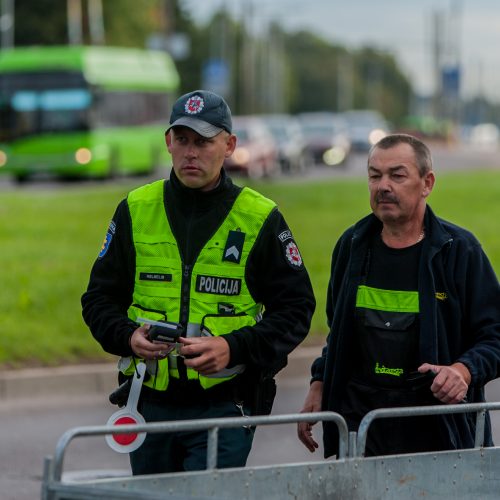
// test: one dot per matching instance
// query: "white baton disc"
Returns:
(128, 441)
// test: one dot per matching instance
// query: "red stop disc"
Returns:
(125, 439)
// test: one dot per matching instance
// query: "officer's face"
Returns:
(397, 191)
(197, 160)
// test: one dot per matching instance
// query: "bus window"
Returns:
(55, 110)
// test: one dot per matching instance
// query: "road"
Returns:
(445, 158)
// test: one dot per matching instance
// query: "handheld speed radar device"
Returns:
(162, 331)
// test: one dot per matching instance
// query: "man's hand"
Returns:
(206, 355)
(451, 382)
(311, 404)
(144, 348)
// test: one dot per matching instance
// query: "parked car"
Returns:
(256, 153)
(327, 138)
(293, 156)
(485, 136)
(366, 127)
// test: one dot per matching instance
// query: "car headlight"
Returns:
(375, 135)
(241, 156)
(333, 156)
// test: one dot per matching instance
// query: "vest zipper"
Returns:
(184, 315)
(185, 295)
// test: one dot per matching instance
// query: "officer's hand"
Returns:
(451, 382)
(311, 404)
(206, 355)
(144, 348)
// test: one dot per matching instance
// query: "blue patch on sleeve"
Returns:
(107, 240)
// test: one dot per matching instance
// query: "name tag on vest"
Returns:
(155, 277)
(218, 285)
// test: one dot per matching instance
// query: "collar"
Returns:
(435, 233)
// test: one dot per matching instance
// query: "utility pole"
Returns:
(74, 12)
(345, 82)
(7, 24)
(437, 25)
(96, 22)
(247, 68)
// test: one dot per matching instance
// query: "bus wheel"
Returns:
(21, 178)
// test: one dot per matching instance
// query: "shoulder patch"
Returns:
(292, 254)
(107, 240)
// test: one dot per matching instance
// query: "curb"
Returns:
(98, 379)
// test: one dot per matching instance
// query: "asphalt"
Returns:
(94, 379)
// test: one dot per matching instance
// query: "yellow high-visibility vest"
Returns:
(213, 290)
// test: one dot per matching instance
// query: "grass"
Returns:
(50, 238)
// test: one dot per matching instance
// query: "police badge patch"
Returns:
(107, 240)
(292, 253)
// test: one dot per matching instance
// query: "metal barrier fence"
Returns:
(351, 476)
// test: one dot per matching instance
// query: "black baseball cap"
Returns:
(203, 111)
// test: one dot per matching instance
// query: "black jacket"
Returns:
(283, 288)
(459, 298)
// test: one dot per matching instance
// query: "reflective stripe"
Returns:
(387, 300)
(228, 372)
(225, 372)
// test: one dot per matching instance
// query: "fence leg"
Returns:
(212, 443)
(480, 419)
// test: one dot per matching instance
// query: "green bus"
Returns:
(84, 111)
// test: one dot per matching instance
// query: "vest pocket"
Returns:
(219, 324)
(137, 311)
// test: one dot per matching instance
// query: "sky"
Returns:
(470, 32)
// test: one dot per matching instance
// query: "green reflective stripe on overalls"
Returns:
(387, 300)
(158, 280)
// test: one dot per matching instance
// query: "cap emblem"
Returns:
(194, 105)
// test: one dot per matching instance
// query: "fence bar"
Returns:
(412, 411)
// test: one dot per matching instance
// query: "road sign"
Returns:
(215, 76)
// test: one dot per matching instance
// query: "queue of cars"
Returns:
(269, 145)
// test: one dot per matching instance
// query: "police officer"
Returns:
(216, 259)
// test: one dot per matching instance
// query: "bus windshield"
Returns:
(44, 104)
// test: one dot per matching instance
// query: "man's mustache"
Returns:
(386, 198)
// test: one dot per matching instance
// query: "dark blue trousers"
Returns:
(186, 451)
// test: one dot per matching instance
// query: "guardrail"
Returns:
(391, 477)
(412, 411)
(211, 425)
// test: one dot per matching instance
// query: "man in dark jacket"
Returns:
(413, 308)
(220, 265)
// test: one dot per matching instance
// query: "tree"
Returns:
(127, 23)
(40, 22)
(275, 71)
